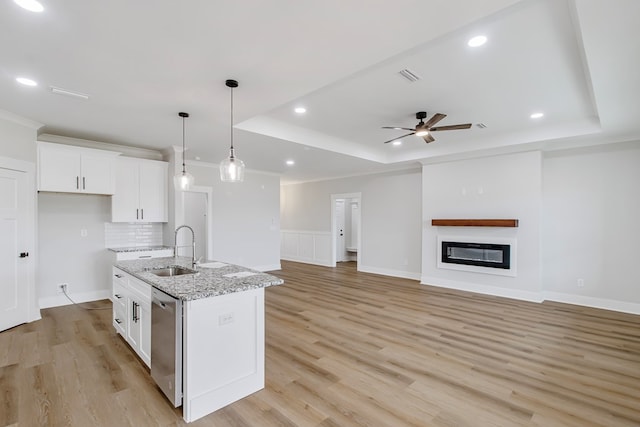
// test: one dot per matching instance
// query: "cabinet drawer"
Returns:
(118, 295)
(120, 318)
(119, 277)
(141, 290)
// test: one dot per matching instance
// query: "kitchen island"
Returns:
(222, 326)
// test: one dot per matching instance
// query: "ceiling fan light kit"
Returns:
(424, 129)
(183, 181)
(232, 168)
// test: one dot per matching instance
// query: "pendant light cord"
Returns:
(231, 156)
(183, 167)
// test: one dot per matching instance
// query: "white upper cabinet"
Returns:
(141, 191)
(70, 169)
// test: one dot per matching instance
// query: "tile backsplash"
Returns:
(118, 235)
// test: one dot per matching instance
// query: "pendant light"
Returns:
(183, 181)
(232, 168)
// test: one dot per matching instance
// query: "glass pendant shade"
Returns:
(232, 169)
(183, 181)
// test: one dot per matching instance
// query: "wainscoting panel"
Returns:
(311, 247)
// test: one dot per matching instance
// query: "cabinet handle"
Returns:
(142, 213)
(137, 213)
(135, 312)
(83, 186)
(118, 296)
(77, 182)
(118, 321)
(119, 276)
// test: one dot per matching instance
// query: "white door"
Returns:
(14, 250)
(341, 251)
(195, 216)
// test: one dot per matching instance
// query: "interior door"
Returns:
(195, 215)
(341, 251)
(14, 250)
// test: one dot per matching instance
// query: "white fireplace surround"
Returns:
(511, 271)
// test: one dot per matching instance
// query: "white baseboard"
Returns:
(388, 272)
(269, 267)
(482, 289)
(306, 261)
(59, 300)
(606, 304)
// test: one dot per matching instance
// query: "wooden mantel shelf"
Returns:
(475, 222)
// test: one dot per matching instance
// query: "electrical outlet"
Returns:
(62, 288)
(225, 319)
(580, 283)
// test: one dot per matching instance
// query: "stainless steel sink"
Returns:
(174, 270)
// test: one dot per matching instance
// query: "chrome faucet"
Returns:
(193, 244)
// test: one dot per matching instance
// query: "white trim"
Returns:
(12, 117)
(125, 150)
(210, 165)
(59, 300)
(388, 272)
(267, 267)
(482, 289)
(311, 247)
(602, 303)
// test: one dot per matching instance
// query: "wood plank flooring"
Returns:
(350, 349)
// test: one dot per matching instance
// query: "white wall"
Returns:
(66, 257)
(390, 212)
(246, 224)
(591, 227)
(508, 186)
(17, 137)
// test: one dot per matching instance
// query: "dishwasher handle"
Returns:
(159, 303)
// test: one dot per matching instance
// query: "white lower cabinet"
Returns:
(132, 312)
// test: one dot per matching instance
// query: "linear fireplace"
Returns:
(481, 254)
(489, 254)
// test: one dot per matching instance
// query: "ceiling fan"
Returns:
(424, 129)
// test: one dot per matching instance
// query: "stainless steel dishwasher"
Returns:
(166, 345)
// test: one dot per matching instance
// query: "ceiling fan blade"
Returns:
(395, 127)
(391, 140)
(435, 119)
(451, 127)
(428, 138)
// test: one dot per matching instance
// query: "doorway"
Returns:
(194, 208)
(346, 227)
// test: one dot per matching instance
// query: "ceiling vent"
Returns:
(409, 75)
(481, 125)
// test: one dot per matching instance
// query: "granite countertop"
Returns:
(141, 248)
(212, 279)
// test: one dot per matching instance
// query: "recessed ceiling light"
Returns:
(397, 142)
(291, 162)
(30, 5)
(537, 115)
(477, 41)
(300, 110)
(27, 82)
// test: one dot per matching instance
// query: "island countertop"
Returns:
(212, 278)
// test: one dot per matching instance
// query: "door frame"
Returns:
(334, 238)
(29, 169)
(179, 201)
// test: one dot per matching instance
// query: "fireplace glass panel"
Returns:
(478, 254)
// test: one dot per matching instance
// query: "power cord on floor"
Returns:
(64, 291)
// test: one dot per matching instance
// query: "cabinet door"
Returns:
(58, 169)
(133, 323)
(124, 203)
(97, 174)
(153, 191)
(144, 350)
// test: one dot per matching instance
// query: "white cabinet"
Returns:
(132, 312)
(141, 191)
(70, 169)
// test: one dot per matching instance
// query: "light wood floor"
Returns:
(351, 349)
